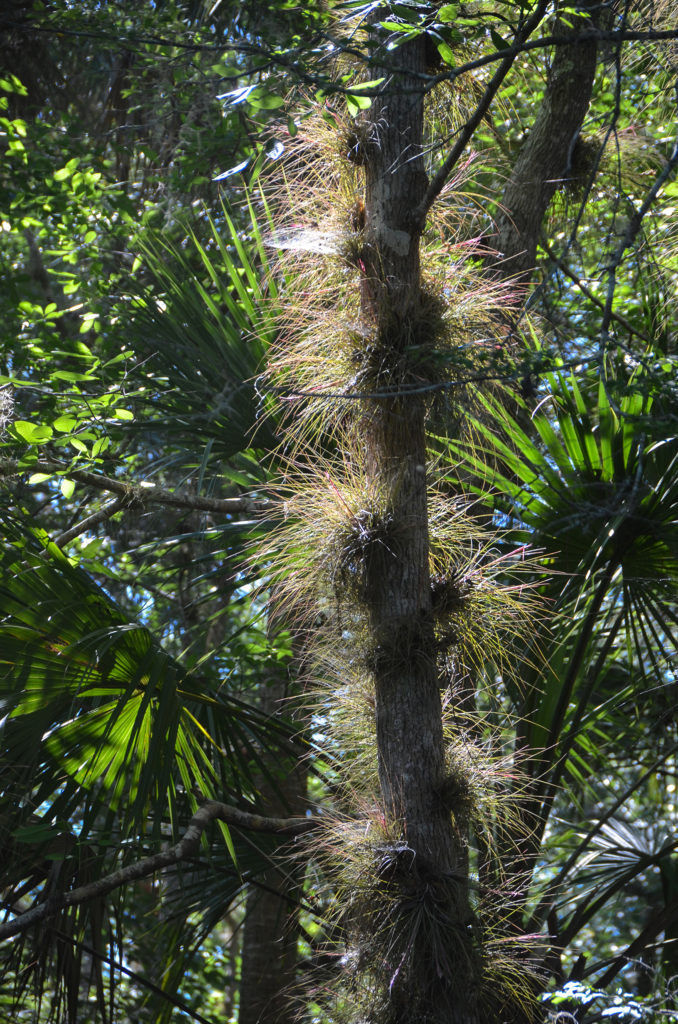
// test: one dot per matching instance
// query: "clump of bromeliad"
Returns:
(339, 526)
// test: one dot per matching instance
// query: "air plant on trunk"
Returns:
(395, 584)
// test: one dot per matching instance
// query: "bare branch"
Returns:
(659, 922)
(632, 230)
(548, 903)
(557, 39)
(286, 58)
(560, 264)
(140, 979)
(188, 847)
(145, 493)
(91, 521)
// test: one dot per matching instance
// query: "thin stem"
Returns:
(186, 848)
(437, 183)
(90, 522)
(133, 492)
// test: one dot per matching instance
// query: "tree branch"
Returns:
(660, 921)
(632, 230)
(546, 154)
(557, 39)
(437, 183)
(86, 524)
(559, 263)
(186, 848)
(548, 903)
(140, 979)
(129, 42)
(145, 494)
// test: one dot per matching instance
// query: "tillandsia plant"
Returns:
(393, 580)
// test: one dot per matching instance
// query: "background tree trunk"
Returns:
(546, 157)
(544, 164)
(271, 928)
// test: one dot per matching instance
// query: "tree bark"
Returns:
(430, 861)
(545, 158)
(409, 726)
(543, 165)
(271, 928)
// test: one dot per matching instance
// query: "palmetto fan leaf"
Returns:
(620, 848)
(202, 898)
(620, 855)
(597, 491)
(106, 745)
(206, 321)
(589, 484)
(100, 724)
(592, 479)
(107, 742)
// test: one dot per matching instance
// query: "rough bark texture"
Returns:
(269, 954)
(409, 728)
(411, 753)
(271, 929)
(546, 155)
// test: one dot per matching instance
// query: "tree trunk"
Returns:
(543, 165)
(546, 157)
(269, 951)
(271, 928)
(433, 969)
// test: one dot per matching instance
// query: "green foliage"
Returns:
(109, 740)
(140, 304)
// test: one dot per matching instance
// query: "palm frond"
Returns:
(590, 485)
(100, 724)
(206, 319)
(107, 744)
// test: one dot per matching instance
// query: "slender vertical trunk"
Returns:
(269, 949)
(271, 928)
(436, 979)
(546, 157)
(544, 164)
(408, 711)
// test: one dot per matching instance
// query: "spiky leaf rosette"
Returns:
(358, 366)
(332, 363)
(330, 366)
(400, 932)
(333, 525)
